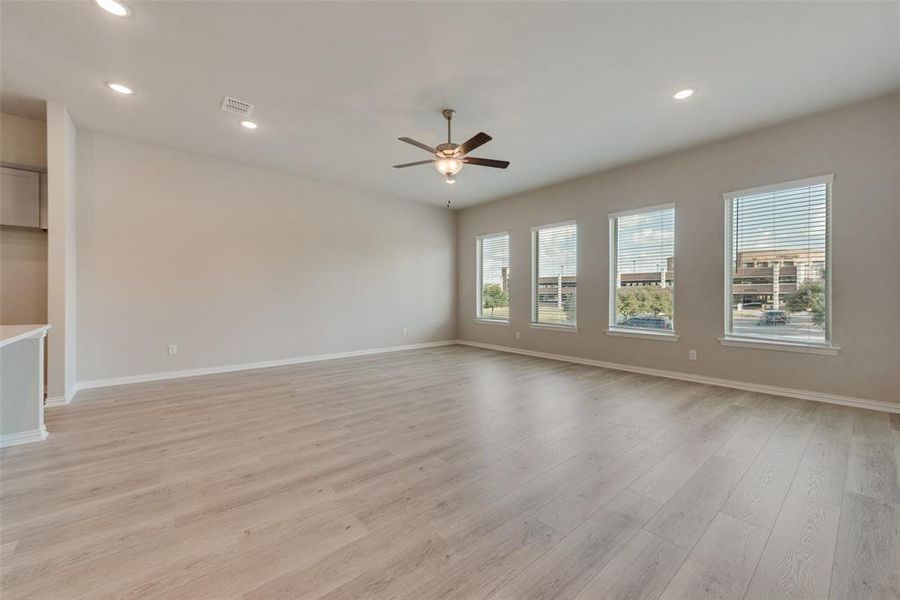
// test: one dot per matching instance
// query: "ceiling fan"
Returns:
(449, 158)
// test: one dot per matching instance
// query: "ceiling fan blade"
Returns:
(418, 144)
(413, 164)
(486, 162)
(479, 139)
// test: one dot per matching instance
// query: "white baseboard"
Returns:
(56, 401)
(739, 385)
(143, 378)
(61, 400)
(23, 437)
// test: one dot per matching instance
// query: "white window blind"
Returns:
(493, 277)
(642, 269)
(555, 277)
(777, 285)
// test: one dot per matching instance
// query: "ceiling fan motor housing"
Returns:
(447, 149)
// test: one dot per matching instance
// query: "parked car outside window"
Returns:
(648, 322)
(774, 317)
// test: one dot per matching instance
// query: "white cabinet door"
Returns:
(20, 197)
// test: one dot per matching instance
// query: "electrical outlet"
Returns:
(692, 355)
(172, 349)
(404, 331)
(517, 335)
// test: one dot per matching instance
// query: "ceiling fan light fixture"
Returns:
(450, 179)
(448, 166)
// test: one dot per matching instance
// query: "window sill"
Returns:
(567, 328)
(492, 322)
(643, 335)
(781, 346)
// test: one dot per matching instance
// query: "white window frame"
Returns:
(479, 318)
(826, 347)
(632, 332)
(573, 327)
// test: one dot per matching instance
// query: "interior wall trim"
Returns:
(23, 437)
(61, 400)
(729, 383)
(159, 376)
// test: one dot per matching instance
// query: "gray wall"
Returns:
(21, 404)
(236, 264)
(859, 144)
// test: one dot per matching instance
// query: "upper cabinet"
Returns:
(20, 198)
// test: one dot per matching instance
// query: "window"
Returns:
(555, 274)
(493, 277)
(642, 269)
(785, 230)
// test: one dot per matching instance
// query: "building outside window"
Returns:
(783, 233)
(642, 269)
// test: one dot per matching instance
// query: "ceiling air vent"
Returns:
(238, 107)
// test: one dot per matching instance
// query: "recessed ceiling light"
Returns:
(113, 7)
(120, 89)
(249, 125)
(683, 94)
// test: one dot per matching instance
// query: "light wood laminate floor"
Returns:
(450, 473)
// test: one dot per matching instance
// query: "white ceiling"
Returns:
(564, 88)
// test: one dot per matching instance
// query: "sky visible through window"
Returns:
(645, 241)
(786, 220)
(494, 258)
(557, 251)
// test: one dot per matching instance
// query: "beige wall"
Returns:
(23, 252)
(61, 246)
(236, 264)
(23, 141)
(859, 144)
(23, 276)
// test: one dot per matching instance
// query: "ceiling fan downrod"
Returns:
(448, 114)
